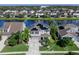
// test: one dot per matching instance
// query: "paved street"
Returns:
(33, 46)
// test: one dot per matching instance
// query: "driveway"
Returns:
(76, 42)
(2, 45)
(34, 46)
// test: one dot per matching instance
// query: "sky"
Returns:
(39, 1)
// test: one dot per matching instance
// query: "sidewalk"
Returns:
(6, 53)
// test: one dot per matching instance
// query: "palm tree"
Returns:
(17, 37)
(25, 35)
(53, 31)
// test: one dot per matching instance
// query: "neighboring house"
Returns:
(53, 14)
(70, 30)
(76, 14)
(12, 27)
(38, 28)
(7, 28)
(39, 14)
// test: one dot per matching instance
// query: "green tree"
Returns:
(14, 39)
(53, 31)
(12, 42)
(25, 35)
(17, 37)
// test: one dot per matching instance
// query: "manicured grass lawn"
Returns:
(17, 54)
(67, 48)
(28, 18)
(54, 47)
(17, 48)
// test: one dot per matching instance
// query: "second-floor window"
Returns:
(36, 32)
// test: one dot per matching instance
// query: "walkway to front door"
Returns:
(34, 46)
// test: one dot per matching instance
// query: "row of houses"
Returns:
(38, 29)
(53, 12)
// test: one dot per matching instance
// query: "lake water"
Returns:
(30, 23)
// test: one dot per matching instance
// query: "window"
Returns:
(36, 32)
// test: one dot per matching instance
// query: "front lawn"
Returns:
(16, 48)
(67, 48)
(54, 47)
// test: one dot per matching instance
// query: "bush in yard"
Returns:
(61, 43)
(44, 42)
(65, 41)
(14, 39)
(12, 42)
(68, 40)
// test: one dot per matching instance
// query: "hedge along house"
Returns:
(38, 28)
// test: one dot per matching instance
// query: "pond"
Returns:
(30, 23)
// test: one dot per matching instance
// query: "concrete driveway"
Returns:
(2, 45)
(34, 46)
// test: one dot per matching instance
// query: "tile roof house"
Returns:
(76, 14)
(12, 27)
(7, 28)
(69, 30)
(38, 28)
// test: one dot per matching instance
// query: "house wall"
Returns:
(38, 33)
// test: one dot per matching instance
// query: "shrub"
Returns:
(44, 42)
(12, 42)
(65, 41)
(61, 43)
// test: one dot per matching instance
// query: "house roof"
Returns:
(32, 23)
(13, 27)
(34, 29)
(70, 26)
(63, 32)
